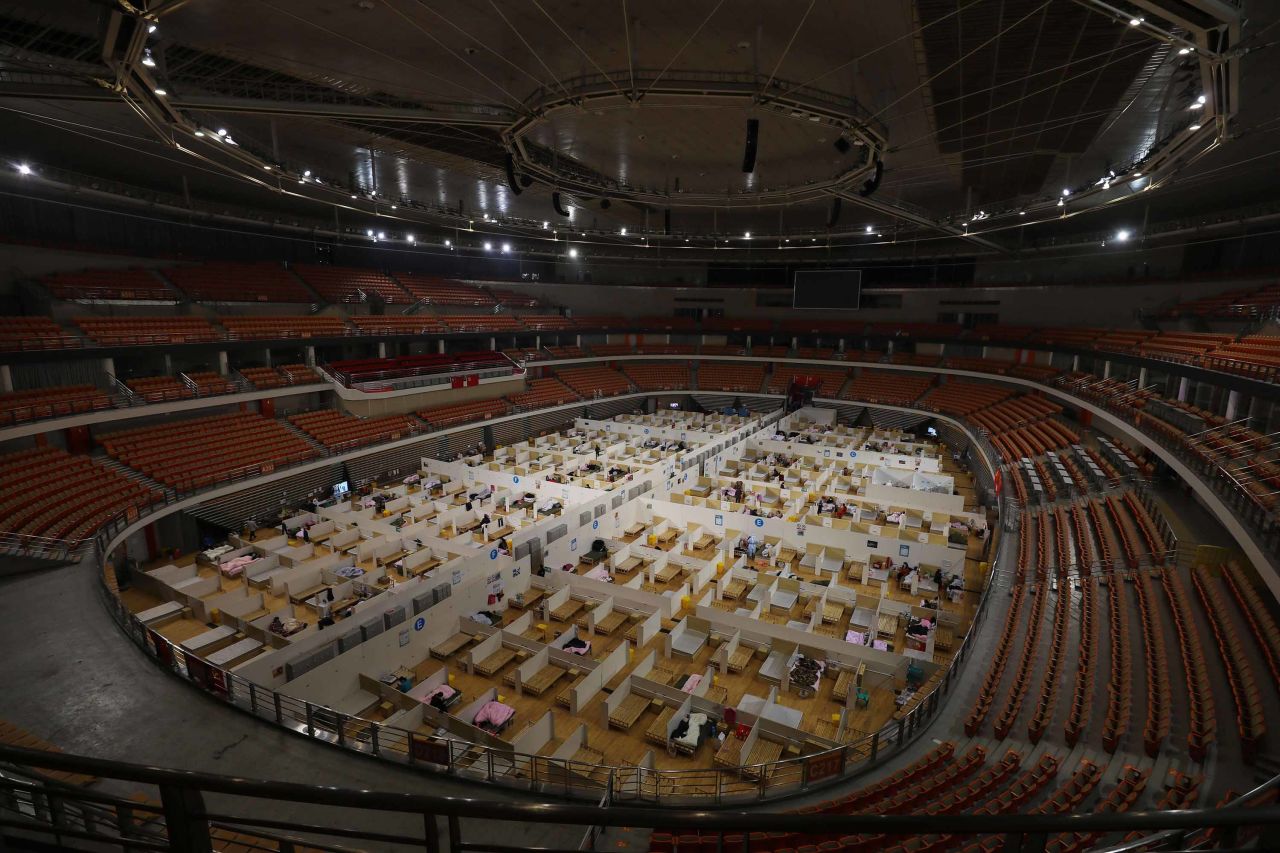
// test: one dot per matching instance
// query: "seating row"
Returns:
(37, 403)
(1250, 717)
(339, 431)
(1202, 722)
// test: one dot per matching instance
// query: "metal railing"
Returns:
(189, 810)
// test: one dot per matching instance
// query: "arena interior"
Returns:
(803, 427)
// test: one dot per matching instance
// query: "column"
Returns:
(311, 356)
(109, 366)
(984, 350)
(1184, 386)
(1106, 370)
(577, 341)
(748, 342)
(440, 345)
(840, 345)
(168, 364)
(493, 343)
(1233, 405)
(537, 341)
(794, 342)
(889, 349)
(1142, 377)
(382, 349)
(6, 378)
(223, 367)
(1075, 363)
(1255, 413)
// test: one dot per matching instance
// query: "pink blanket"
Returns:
(494, 714)
(691, 683)
(442, 690)
(599, 573)
(233, 567)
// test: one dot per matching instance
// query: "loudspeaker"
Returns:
(511, 175)
(555, 202)
(835, 213)
(874, 183)
(749, 153)
(842, 145)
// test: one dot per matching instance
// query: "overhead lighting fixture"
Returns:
(267, 167)
(1065, 192)
(199, 133)
(486, 217)
(147, 60)
(1122, 235)
(1194, 127)
(1060, 202)
(222, 131)
(1136, 22)
(1137, 174)
(160, 92)
(488, 247)
(369, 232)
(410, 238)
(746, 235)
(24, 169)
(353, 195)
(1202, 99)
(1022, 213)
(506, 248)
(573, 253)
(623, 232)
(229, 140)
(1184, 51)
(545, 225)
(382, 235)
(868, 229)
(151, 29)
(448, 244)
(393, 207)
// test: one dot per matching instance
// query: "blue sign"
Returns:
(493, 554)
(759, 522)
(515, 479)
(853, 453)
(646, 430)
(419, 623)
(595, 525)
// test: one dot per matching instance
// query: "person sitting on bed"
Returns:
(503, 547)
(405, 684)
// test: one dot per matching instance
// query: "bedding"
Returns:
(234, 567)
(577, 646)
(493, 716)
(442, 697)
(691, 683)
(353, 572)
(689, 734)
(600, 573)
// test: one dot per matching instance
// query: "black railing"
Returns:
(180, 818)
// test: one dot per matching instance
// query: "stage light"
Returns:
(1022, 213)
(506, 248)
(488, 247)
(868, 229)
(1065, 192)
(353, 195)
(147, 60)
(267, 167)
(746, 235)
(369, 232)
(410, 238)
(393, 207)
(545, 225)
(24, 169)
(1122, 235)
(1184, 51)
(623, 232)
(1136, 22)
(1202, 99)
(382, 235)
(222, 131)
(573, 253)
(151, 29)
(448, 244)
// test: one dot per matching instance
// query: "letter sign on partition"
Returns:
(419, 623)
(759, 522)
(493, 554)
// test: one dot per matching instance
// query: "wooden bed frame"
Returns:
(844, 683)
(532, 597)
(667, 573)
(563, 698)
(566, 611)
(832, 612)
(611, 623)
(451, 646)
(729, 752)
(496, 661)
(657, 731)
(543, 680)
(628, 712)
(734, 589)
(740, 658)
(762, 752)
(886, 625)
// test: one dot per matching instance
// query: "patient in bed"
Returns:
(494, 716)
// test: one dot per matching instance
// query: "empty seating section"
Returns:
(595, 381)
(894, 389)
(1202, 722)
(442, 291)
(829, 381)
(1243, 302)
(346, 284)
(231, 282)
(339, 431)
(461, 413)
(1259, 619)
(133, 283)
(963, 398)
(514, 299)
(482, 323)
(399, 324)
(543, 392)
(567, 352)
(192, 454)
(547, 322)
(55, 495)
(729, 376)
(612, 349)
(157, 389)
(670, 324)
(264, 377)
(269, 328)
(658, 377)
(37, 403)
(131, 331)
(526, 355)
(298, 374)
(665, 349)
(979, 365)
(209, 383)
(361, 370)
(1252, 355)
(1250, 719)
(34, 333)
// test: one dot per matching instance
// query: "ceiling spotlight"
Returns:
(1202, 99)
(1022, 213)
(393, 207)
(1065, 192)
(267, 167)
(1184, 51)
(868, 229)
(151, 29)
(623, 232)
(1136, 22)
(1122, 235)
(1197, 105)
(788, 240)
(1194, 127)
(448, 244)
(353, 195)
(160, 92)
(382, 235)
(486, 217)
(1137, 174)
(24, 169)
(147, 60)
(1060, 203)
(488, 247)
(746, 235)
(410, 238)
(199, 133)
(230, 141)
(222, 131)
(307, 173)
(369, 232)
(506, 248)
(302, 180)
(545, 225)
(573, 253)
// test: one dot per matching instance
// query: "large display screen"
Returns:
(828, 290)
